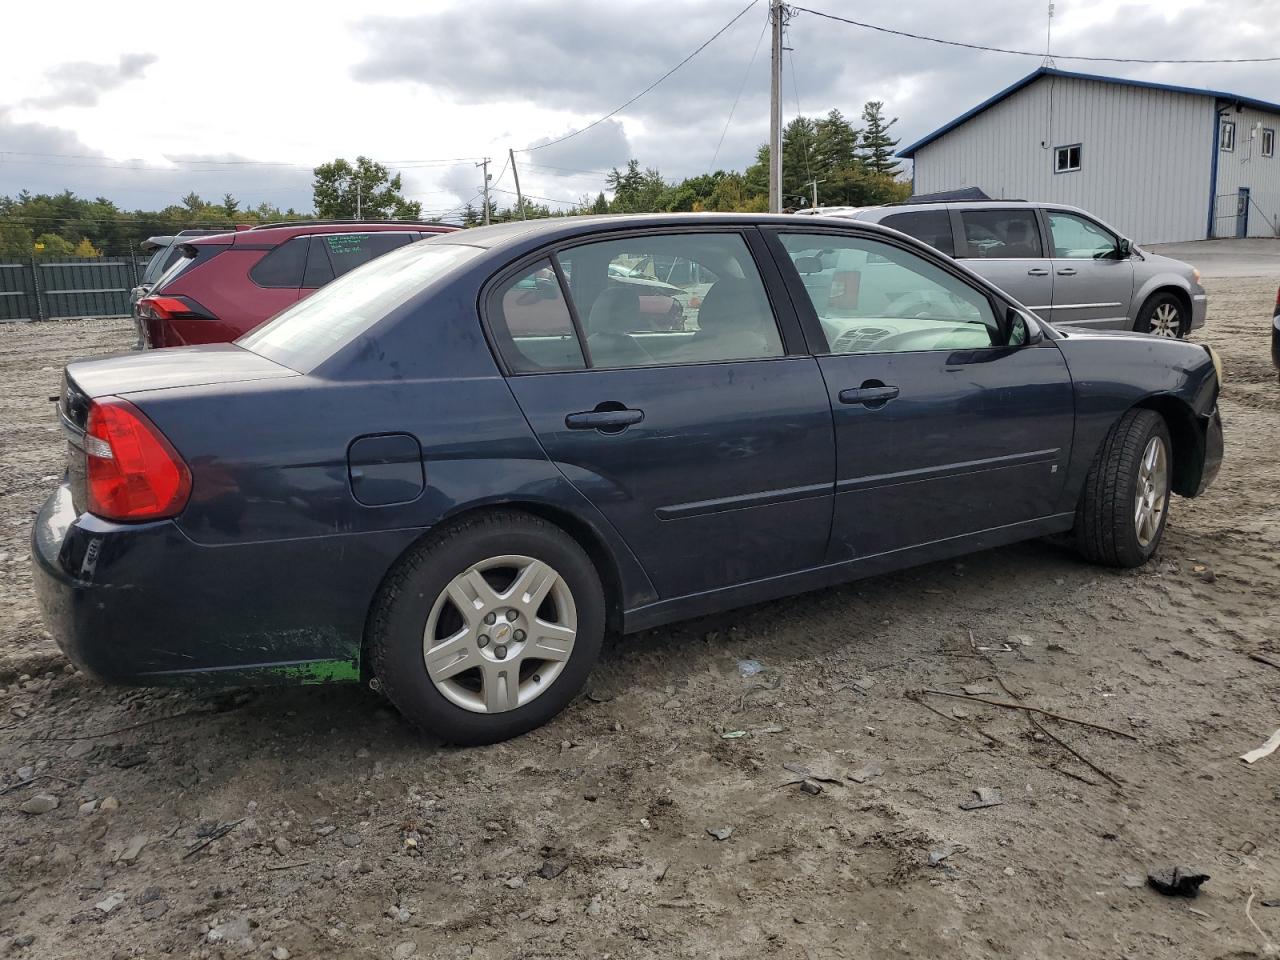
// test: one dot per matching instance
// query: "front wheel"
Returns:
(1125, 504)
(1165, 316)
(489, 629)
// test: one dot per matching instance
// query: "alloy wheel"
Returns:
(500, 633)
(1166, 320)
(1151, 493)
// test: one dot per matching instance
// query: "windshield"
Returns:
(312, 330)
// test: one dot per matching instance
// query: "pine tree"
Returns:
(876, 149)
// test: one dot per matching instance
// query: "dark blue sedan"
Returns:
(450, 472)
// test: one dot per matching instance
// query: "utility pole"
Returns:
(485, 163)
(777, 11)
(814, 184)
(358, 217)
(511, 155)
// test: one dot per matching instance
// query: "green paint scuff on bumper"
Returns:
(318, 671)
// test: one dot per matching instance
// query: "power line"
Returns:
(745, 76)
(208, 165)
(1023, 53)
(706, 43)
(534, 196)
(545, 166)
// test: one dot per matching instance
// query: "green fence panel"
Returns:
(18, 299)
(85, 286)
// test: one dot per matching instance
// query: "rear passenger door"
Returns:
(330, 255)
(708, 448)
(1005, 246)
(278, 277)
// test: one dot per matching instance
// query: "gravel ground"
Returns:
(312, 823)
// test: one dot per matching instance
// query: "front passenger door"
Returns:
(1092, 284)
(946, 425)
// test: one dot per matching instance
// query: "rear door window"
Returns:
(350, 250)
(1001, 234)
(283, 266)
(671, 298)
(929, 226)
(531, 321)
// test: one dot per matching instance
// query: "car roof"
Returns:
(273, 235)
(551, 229)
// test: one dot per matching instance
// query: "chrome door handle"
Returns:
(1067, 272)
(868, 395)
(1037, 272)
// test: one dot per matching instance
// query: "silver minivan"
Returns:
(1061, 262)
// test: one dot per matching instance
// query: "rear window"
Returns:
(184, 256)
(312, 330)
(160, 261)
(929, 226)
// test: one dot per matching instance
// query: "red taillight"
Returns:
(165, 308)
(133, 472)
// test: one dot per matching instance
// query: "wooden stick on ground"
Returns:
(998, 742)
(1029, 709)
(1074, 752)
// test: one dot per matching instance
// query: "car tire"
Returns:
(1114, 527)
(500, 685)
(1164, 315)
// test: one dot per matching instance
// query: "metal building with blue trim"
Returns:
(1162, 163)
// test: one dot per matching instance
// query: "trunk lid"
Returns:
(133, 373)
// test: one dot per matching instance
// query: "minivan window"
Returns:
(1075, 238)
(929, 226)
(312, 330)
(1001, 234)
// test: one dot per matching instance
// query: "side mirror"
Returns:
(1023, 329)
(1124, 249)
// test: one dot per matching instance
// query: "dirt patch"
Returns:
(312, 821)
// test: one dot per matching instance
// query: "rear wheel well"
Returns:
(1184, 434)
(579, 530)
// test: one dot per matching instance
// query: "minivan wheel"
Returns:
(1122, 512)
(1164, 315)
(488, 629)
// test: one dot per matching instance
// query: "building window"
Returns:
(1268, 142)
(1066, 159)
(1228, 136)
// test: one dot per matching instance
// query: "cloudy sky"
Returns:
(144, 105)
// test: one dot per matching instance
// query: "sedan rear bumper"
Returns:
(142, 604)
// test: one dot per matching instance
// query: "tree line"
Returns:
(851, 165)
